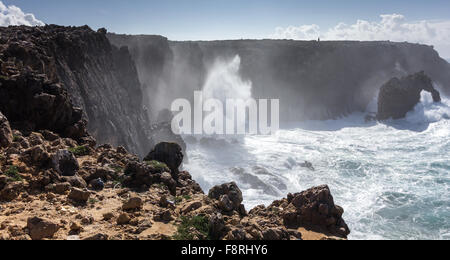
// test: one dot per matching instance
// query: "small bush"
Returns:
(159, 166)
(16, 138)
(13, 173)
(80, 150)
(199, 223)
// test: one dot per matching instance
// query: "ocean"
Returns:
(392, 178)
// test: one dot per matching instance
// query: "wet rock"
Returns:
(40, 228)
(169, 153)
(6, 135)
(399, 96)
(79, 195)
(65, 163)
(134, 203)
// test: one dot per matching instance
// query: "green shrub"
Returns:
(13, 173)
(16, 138)
(80, 150)
(199, 223)
(159, 166)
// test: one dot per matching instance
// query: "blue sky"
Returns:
(414, 20)
(221, 19)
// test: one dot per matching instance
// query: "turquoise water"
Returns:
(392, 178)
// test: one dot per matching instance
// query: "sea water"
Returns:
(392, 178)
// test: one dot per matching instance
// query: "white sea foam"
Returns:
(392, 178)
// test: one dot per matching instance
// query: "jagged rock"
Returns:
(46, 63)
(65, 163)
(134, 203)
(316, 207)
(229, 196)
(76, 181)
(166, 178)
(169, 153)
(217, 226)
(78, 195)
(399, 96)
(272, 234)
(139, 174)
(11, 191)
(40, 228)
(6, 136)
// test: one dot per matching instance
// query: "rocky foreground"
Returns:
(56, 183)
(57, 188)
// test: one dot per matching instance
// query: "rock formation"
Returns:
(45, 175)
(292, 71)
(399, 96)
(42, 66)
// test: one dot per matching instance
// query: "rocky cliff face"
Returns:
(41, 64)
(313, 80)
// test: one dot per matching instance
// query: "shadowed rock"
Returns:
(169, 153)
(399, 96)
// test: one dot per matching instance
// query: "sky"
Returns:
(419, 21)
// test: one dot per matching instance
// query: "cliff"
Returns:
(313, 80)
(101, 80)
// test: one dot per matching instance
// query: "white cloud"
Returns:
(393, 27)
(13, 15)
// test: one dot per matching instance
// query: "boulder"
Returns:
(229, 196)
(315, 207)
(11, 191)
(399, 96)
(169, 153)
(6, 136)
(133, 203)
(79, 195)
(123, 219)
(166, 179)
(40, 228)
(65, 163)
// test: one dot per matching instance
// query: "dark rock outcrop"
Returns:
(65, 163)
(40, 64)
(229, 197)
(169, 153)
(292, 71)
(399, 96)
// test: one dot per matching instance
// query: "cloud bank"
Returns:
(393, 27)
(13, 15)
